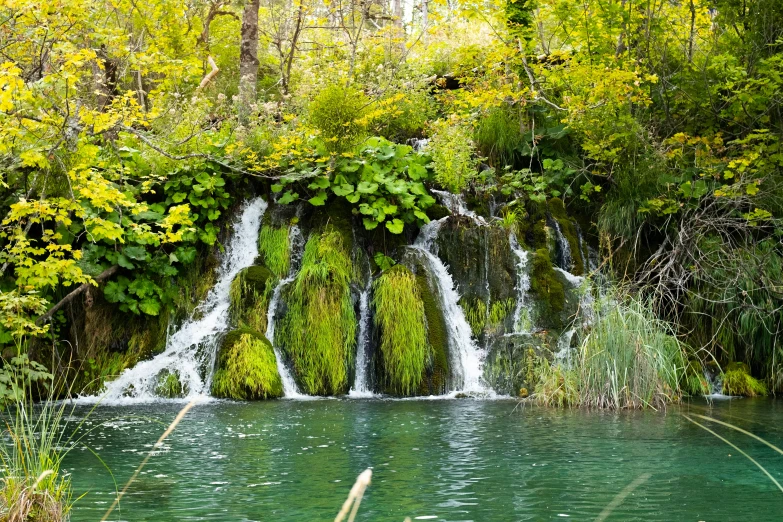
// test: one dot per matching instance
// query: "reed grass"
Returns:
(354, 497)
(400, 315)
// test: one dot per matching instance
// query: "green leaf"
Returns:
(343, 190)
(370, 224)
(288, 197)
(124, 262)
(367, 188)
(150, 306)
(114, 292)
(353, 198)
(395, 226)
(319, 199)
(277, 187)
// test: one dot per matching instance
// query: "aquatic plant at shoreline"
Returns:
(738, 381)
(318, 331)
(399, 314)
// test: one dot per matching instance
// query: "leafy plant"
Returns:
(384, 182)
(451, 149)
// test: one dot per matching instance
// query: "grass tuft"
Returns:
(399, 313)
(247, 369)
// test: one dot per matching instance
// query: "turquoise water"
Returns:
(447, 460)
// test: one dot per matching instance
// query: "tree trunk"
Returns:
(248, 56)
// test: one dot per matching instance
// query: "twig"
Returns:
(211, 74)
(355, 496)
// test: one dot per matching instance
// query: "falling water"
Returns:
(467, 359)
(190, 351)
(361, 386)
(564, 259)
(564, 351)
(295, 239)
(456, 205)
(522, 307)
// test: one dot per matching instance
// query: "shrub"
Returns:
(337, 112)
(556, 385)
(451, 149)
(499, 137)
(399, 314)
(247, 368)
(318, 330)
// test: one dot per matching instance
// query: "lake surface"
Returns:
(445, 460)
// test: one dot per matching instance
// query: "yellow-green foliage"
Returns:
(738, 381)
(556, 386)
(250, 293)
(318, 332)
(273, 248)
(399, 314)
(451, 148)
(247, 368)
(338, 112)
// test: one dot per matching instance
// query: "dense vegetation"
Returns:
(129, 133)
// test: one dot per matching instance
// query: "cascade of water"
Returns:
(456, 205)
(295, 239)
(582, 248)
(418, 144)
(190, 351)
(361, 386)
(522, 307)
(586, 299)
(563, 252)
(467, 360)
(564, 351)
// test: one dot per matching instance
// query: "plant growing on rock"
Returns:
(247, 368)
(399, 314)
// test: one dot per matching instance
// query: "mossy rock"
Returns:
(437, 376)
(247, 368)
(480, 260)
(738, 381)
(251, 291)
(437, 211)
(511, 360)
(548, 291)
(557, 213)
(169, 385)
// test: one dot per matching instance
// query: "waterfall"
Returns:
(361, 387)
(522, 307)
(295, 239)
(585, 288)
(418, 144)
(456, 205)
(467, 360)
(564, 350)
(191, 351)
(563, 251)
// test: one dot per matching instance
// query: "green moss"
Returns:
(738, 381)
(545, 284)
(318, 331)
(273, 249)
(476, 314)
(251, 291)
(247, 369)
(437, 338)
(399, 315)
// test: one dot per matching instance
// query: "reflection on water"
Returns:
(452, 460)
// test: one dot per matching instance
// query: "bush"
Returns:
(247, 368)
(451, 149)
(337, 112)
(399, 314)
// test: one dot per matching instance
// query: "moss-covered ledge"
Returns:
(247, 368)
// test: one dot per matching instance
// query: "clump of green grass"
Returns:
(399, 313)
(32, 487)
(318, 332)
(273, 248)
(247, 368)
(629, 358)
(556, 385)
(738, 381)
(169, 385)
(475, 313)
(499, 138)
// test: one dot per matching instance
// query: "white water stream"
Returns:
(467, 359)
(522, 308)
(361, 386)
(190, 351)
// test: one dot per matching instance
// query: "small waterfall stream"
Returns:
(467, 359)
(564, 259)
(290, 389)
(190, 351)
(522, 306)
(361, 386)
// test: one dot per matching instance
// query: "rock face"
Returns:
(246, 368)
